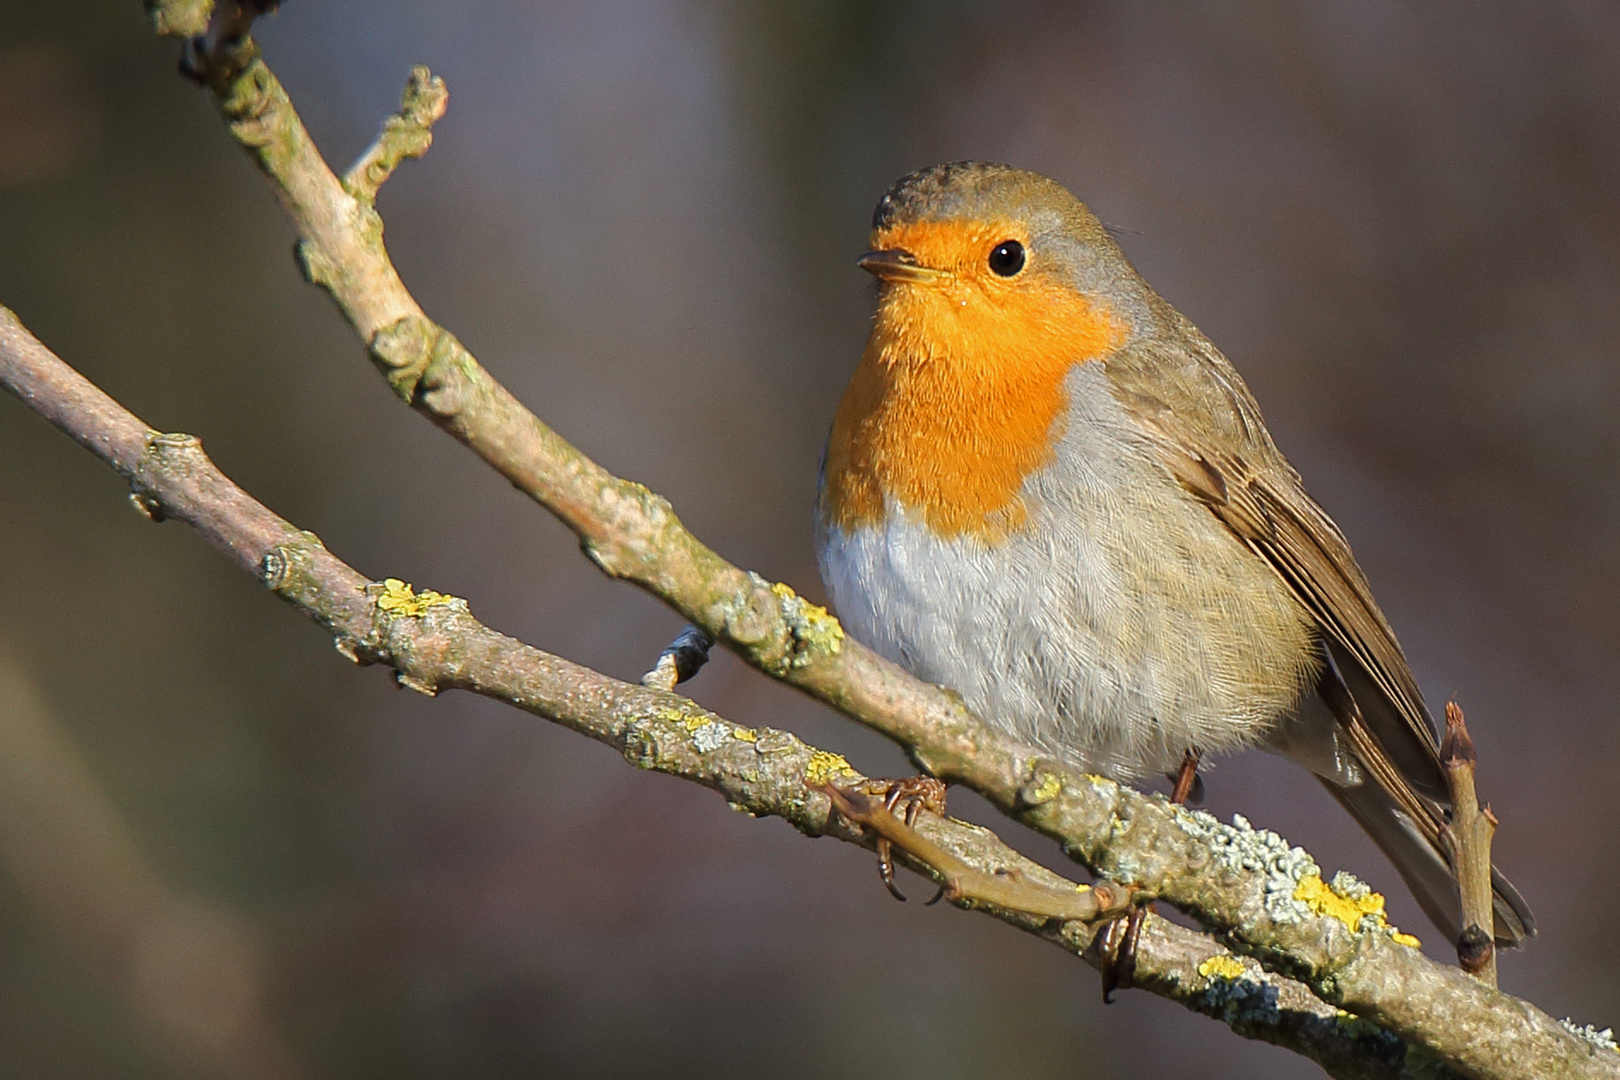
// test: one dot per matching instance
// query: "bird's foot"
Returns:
(915, 794)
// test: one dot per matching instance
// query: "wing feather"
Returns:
(1200, 421)
(1259, 497)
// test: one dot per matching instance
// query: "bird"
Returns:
(1046, 490)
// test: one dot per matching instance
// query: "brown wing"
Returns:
(1206, 429)
(1243, 479)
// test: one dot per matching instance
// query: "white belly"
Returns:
(1122, 625)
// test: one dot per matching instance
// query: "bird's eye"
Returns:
(1007, 258)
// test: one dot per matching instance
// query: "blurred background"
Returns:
(224, 851)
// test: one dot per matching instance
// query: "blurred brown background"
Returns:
(226, 852)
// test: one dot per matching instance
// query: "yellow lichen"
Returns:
(695, 722)
(1047, 790)
(824, 765)
(1222, 967)
(1354, 1025)
(814, 629)
(1400, 938)
(1324, 901)
(398, 598)
(745, 734)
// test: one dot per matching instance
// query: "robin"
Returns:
(1046, 490)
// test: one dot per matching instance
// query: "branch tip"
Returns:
(1457, 748)
(408, 133)
(1467, 840)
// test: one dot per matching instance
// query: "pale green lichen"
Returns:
(1602, 1038)
(397, 598)
(1294, 889)
(711, 736)
(1242, 848)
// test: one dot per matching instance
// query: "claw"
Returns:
(1118, 948)
(885, 856)
(917, 793)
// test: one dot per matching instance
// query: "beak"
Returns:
(897, 264)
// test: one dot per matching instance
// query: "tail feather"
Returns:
(1331, 736)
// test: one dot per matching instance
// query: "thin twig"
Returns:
(406, 134)
(1467, 838)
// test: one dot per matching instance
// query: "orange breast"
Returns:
(959, 395)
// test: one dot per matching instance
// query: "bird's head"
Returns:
(984, 264)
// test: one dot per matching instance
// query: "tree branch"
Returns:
(433, 643)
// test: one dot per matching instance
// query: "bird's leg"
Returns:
(1121, 935)
(918, 793)
(1186, 777)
